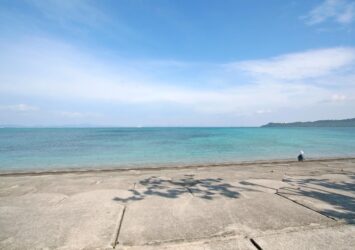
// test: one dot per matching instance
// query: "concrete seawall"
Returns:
(259, 205)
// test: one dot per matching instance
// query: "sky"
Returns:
(175, 63)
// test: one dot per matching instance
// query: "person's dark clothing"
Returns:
(300, 157)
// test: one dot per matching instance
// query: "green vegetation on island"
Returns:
(320, 123)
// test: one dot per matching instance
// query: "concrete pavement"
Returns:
(271, 205)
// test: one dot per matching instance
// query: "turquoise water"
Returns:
(53, 148)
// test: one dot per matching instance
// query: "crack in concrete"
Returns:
(118, 229)
(61, 200)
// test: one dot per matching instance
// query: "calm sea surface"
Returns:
(52, 148)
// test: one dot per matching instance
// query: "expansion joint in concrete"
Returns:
(190, 191)
(255, 244)
(118, 229)
(304, 206)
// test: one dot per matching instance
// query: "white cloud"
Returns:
(78, 115)
(340, 11)
(19, 108)
(42, 69)
(338, 98)
(263, 111)
(296, 66)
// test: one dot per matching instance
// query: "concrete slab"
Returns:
(48, 220)
(220, 243)
(339, 237)
(339, 207)
(67, 184)
(332, 195)
(343, 184)
(263, 185)
(156, 219)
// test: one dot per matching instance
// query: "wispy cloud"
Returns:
(44, 69)
(64, 12)
(339, 11)
(296, 66)
(19, 108)
(79, 18)
(263, 111)
(338, 98)
(78, 115)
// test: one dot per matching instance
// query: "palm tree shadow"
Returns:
(342, 204)
(204, 188)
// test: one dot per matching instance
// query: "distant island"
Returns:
(320, 123)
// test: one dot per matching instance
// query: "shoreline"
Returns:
(83, 170)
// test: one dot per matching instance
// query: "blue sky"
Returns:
(176, 63)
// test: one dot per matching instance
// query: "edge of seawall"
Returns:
(35, 172)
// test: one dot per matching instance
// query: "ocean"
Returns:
(57, 148)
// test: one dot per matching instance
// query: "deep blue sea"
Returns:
(55, 148)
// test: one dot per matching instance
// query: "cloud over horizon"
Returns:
(19, 108)
(48, 69)
(302, 65)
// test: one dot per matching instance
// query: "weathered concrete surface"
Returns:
(48, 220)
(263, 185)
(158, 219)
(332, 195)
(288, 205)
(220, 243)
(338, 237)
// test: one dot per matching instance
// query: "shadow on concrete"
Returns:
(344, 205)
(247, 183)
(345, 186)
(205, 188)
